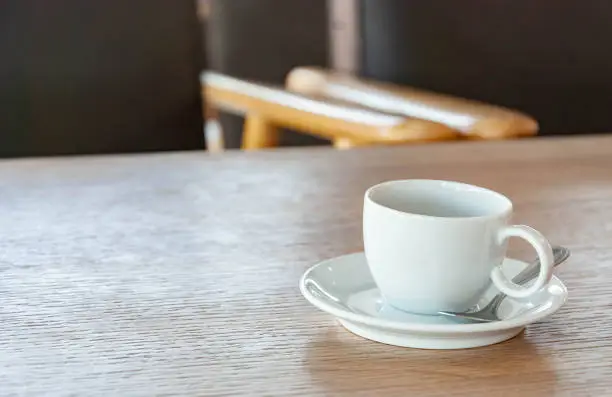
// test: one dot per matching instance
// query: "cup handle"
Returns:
(544, 251)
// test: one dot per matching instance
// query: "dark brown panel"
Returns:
(552, 61)
(101, 76)
(263, 40)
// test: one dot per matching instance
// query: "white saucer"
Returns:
(344, 287)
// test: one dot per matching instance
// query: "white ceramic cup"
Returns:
(437, 245)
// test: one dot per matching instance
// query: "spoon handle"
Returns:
(532, 271)
(560, 254)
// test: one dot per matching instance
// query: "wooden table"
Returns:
(177, 274)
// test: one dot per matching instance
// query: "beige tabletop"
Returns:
(177, 274)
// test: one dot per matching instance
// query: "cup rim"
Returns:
(506, 211)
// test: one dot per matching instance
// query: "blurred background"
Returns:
(80, 77)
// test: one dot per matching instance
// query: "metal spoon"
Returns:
(489, 312)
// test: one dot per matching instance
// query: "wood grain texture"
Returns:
(177, 273)
(470, 118)
(271, 107)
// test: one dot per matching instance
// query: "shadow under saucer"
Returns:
(343, 363)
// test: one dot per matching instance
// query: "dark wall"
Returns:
(263, 40)
(99, 76)
(552, 61)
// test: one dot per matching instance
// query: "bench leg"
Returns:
(259, 133)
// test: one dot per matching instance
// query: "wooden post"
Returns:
(258, 133)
